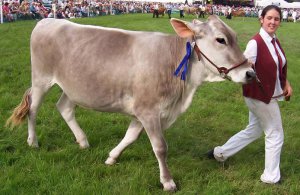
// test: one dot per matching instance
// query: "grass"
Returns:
(217, 112)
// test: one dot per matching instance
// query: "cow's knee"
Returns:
(160, 149)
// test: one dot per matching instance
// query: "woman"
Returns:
(262, 97)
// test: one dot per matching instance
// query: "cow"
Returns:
(238, 13)
(161, 11)
(191, 10)
(115, 70)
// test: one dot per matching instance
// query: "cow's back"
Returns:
(106, 69)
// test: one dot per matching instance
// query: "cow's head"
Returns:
(218, 44)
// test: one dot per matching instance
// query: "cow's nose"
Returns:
(250, 75)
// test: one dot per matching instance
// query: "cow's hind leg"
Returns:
(153, 128)
(134, 130)
(67, 110)
(36, 96)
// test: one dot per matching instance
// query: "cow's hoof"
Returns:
(84, 145)
(32, 142)
(110, 161)
(170, 186)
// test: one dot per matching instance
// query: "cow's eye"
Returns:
(221, 41)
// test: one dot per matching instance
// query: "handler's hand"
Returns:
(288, 91)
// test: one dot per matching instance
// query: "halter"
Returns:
(223, 71)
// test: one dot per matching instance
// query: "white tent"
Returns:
(292, 5)
(163, 1)
(279, 3)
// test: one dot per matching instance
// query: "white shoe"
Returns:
(219, 155)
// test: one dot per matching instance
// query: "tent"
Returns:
(163, 1)
(293, 5)
(279, 3)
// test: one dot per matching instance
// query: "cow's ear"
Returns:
(181, 28)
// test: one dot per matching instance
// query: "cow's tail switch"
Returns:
(20, 112)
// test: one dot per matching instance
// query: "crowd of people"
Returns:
(37, 9)
(13, 9)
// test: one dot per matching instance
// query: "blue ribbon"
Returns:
(184, 62)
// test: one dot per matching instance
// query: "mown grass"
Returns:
(217, 112)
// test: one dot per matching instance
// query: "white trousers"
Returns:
(262, 118)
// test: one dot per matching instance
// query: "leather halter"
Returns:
(222, 70)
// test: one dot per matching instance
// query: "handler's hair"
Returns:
(268, 8)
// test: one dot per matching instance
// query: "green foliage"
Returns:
(217, 112)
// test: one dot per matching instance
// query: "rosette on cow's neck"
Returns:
(184, 63)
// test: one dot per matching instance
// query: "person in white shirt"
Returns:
(259, 13)
(169, 9)
(155, 10)
(285, 14)
(229, 13)
(181, 11)
(269, 61)
(201, 11)
(294, 16)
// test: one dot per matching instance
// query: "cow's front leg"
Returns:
(134, 130)
(160, 148)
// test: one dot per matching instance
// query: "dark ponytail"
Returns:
(268, 8)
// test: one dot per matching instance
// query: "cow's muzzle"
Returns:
(250, 75)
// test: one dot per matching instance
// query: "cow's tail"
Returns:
(20, 112)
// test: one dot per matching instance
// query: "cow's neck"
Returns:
(196, 75)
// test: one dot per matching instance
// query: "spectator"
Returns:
(169, 9)
(14, 9)
(84, 9)
(229, 13)
(7, 15)
(259, 13)
(60, 14)
(285, 14)
(24, 12)
(34, 11)
(155, 10)
(202, 11)
(294, 15)
(51, 13)
(181, 11)
(42, 10)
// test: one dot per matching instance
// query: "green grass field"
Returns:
(218, 111)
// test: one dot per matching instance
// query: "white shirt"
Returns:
(251, 54)
(285, 14)
(294, 14)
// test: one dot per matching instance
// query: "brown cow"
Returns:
(161, 11)
(191, 10)
(239, 13)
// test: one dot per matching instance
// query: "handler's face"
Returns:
(270, 22)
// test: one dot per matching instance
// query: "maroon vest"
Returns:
(266, 70)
